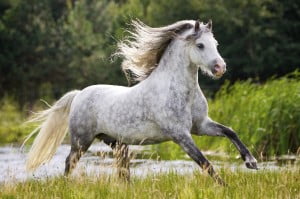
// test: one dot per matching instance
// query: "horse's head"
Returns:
(144, 50)
(203, 50)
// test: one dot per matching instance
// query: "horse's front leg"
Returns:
(185, 141)
(211, 128)
(121, 153)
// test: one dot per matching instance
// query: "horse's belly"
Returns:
(138, 134)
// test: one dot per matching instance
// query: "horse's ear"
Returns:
(197, 25)
(209, 25)
(197, 32)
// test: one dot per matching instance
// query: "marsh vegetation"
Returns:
(262, 184)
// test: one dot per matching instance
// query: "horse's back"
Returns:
(95, 93)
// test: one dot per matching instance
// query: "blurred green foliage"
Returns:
(265, 116)
(67, 44)
(12, 128)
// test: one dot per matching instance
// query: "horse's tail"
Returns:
(52, 131)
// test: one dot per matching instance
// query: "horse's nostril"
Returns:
(218, 67)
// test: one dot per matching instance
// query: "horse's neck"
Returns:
(175, 69)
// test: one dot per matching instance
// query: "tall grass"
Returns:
(262, 184)
(265, 116)
(12, 118)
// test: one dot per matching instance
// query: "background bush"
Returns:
(67, 44)
(11, 122)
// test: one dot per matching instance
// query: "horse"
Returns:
(165, 104)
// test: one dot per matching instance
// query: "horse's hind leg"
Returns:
(79, 145)
(71, 160)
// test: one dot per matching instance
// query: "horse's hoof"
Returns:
(251, 163)
(222, 183)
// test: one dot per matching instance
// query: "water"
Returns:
(12, 164)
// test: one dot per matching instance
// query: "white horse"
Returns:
(167, 104)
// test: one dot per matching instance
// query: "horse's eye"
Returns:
(200, 46)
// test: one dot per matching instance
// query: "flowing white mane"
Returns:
(144, 47)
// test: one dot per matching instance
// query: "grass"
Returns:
(262, 184)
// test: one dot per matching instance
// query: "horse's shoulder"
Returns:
(200, 105)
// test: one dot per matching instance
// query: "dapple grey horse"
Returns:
(167, 103)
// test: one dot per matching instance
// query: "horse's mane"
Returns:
(144, 47)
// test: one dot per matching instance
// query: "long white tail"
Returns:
(53, 129)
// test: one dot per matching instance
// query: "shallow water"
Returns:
(12, 164)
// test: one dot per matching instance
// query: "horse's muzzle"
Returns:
(219, 68)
